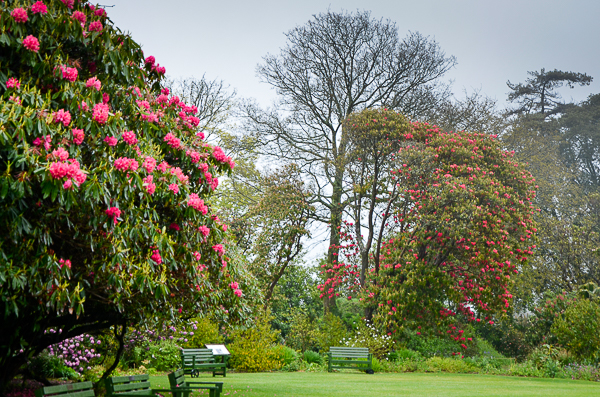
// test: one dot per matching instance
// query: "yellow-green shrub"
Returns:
(303, 332)
(252, 348)
(201, 331)
(331, 332)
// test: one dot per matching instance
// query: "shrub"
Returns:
(431, 346)
(252, 348)
(331, 332)
(199, 332)
(163, 355)
(444, 364)
(303, 333)
(104, 184)
(285, 355)
(579, 329)
(312, 357)
(365, 335)
(47, 366)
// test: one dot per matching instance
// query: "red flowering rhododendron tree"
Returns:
(103, 186)
(460, 228)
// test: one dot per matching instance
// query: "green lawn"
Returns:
(296, 384)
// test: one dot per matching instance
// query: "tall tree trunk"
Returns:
(329, 304)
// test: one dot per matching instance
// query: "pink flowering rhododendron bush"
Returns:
(458, 231)
(103, 186)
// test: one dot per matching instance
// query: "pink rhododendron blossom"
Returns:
(100, 113)
(160, 69)
(125, 164)
(105, 98)
(231, 164)
(151, 117)
(113, 212)
(208, 177)
(238, 293)
(69, 169)
(84, 106)
(219, 249)
(60, 154)
(79, 16)
(165, 91)
(143, 105)
(172, 141)
(174, 226)
(203, 167)
(194, 156)
(197, 255)
(15, 99)
(129, 137)
(162, 98)
(200, 135)
(184, 179)
(68, 184)
(149, 164)
(39, 8)
(219, 155)
(195, 202)
(156, 257)
(13, 83)
(174, 188)
(174, 100)
(194, 121)
(68, 73)
(93, 82)
(214, 183)
(62, 116)
(204, 230)
(111, 141)
(95, 26)
(19, 14)
(100, 12)
(31, 43)
(66, 263)
(150, 60)
(163, 167)
(68, 3)
(234, 285)
(148, 185)
(78, 136)
(45, 140)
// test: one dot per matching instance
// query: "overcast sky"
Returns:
(493, 41)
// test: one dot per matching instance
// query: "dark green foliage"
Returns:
(312, 357)
(45, 366)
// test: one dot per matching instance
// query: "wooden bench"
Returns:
(194, 361)
(350, 357)
(135, 385)
(81, 389)
(177, 382)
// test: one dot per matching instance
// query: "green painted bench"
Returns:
(350, 357)
(194, 361)
(135, 385)
(81, 389)
(177, 382)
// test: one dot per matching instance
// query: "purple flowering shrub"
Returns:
(80, 353)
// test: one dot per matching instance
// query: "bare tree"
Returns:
(334, 65)
(213, 99)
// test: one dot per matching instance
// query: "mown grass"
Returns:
(351, 384)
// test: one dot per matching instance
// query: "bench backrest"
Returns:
(136, 384)
(81, 389)
(176, 379)
(350, 352)
(188, 356)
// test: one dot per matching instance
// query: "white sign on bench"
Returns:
(218, 350)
